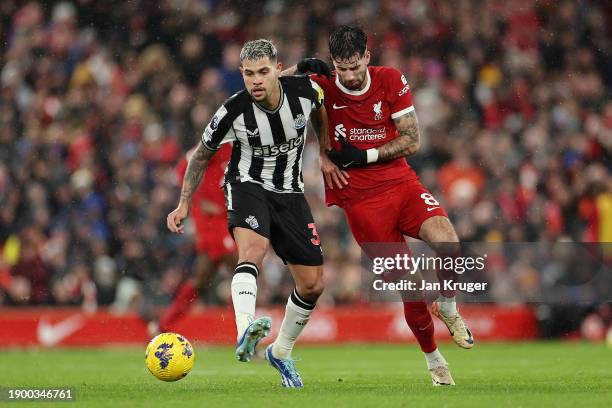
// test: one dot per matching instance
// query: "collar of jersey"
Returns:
(280, 102)
(355, 93)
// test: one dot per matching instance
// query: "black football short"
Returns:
(283, 218)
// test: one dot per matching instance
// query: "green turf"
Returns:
(491, 375)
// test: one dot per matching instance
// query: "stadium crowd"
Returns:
(100, 100)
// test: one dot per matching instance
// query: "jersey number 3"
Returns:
(316, 240)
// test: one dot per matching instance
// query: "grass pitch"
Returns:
(491, 375)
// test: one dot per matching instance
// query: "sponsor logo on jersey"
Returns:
(367, 134)
(252, 221)
(359, 134)
(339, 106)
(275, 150)
(339, 131)
(254, 133)
(300, 121)
(377, 110)
(404, 81)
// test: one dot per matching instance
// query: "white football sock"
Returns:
(448, 306)
(244, 295)
(297, 314)
(435, 359)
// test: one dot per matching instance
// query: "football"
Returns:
(169, 356)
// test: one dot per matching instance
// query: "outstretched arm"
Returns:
(312, 65)
(193, 175)
(195, 170)
(408, 142)
(292, 70)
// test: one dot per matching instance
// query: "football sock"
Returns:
(448, 306)
(435, 359)
(181, 304)
(420, 322)
(297, 314)
(244, 294)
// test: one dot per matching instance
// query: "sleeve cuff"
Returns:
(402, 112)
(208, 147)
(372, 155)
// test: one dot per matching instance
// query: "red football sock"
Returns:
(419, 319)
(181, 304)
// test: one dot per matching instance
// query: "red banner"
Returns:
(385, 323)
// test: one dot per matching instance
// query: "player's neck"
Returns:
(271, 103)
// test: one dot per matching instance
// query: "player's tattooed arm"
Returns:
(195, 171)
(193, 176)
(408, 142)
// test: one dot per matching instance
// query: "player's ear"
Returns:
(241, 70)
(366, 57)
(279, 66)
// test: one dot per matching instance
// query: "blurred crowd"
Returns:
(100, 100)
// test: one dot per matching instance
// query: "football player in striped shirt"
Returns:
(264, 192)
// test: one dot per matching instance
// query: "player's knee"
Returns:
(311, 290)
(438, 230)
(254, 252)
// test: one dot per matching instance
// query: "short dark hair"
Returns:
(346, 42)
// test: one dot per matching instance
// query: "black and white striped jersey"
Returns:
(268, 145)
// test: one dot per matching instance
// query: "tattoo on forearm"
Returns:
(408, 141)
(195, 170)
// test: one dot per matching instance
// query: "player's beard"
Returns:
(356, 84)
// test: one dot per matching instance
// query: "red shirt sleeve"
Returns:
(400, 94)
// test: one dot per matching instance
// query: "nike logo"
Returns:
(345, 165)
(339, 107)
(432, 208)
(51, 334)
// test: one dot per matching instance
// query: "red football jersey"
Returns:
(365, 119)
(210, 187)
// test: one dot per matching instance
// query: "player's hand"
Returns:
(348, 156)
(331, 173)
(314, 65)
(175, 218)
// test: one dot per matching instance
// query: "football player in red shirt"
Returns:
(214, 244)
(375, 128)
